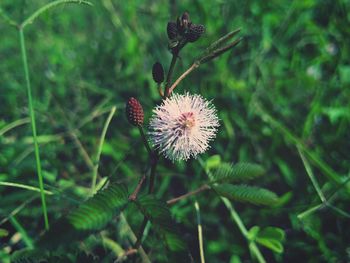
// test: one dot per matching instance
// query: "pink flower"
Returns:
(183, 126)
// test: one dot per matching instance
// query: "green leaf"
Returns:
(159, 214)
(272, 244)
(156, 211)
(3, 232)
(272, 238)
(245, 193)
(272, 233)
(96, 212)
(175, 242)
(213, 162)
(253, 232)
(92, 215)
(240, 172)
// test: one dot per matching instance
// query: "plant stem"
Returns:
(194, 192)
(311, 176)
(26, 239)
(48, 6)
(200, 234)
(7, 19)
(184, 75)
(24, 186)
(14, 125)
(133, 238)
(99, 149)
(32, 120)
(310, 211)
(154, 162)
(252, 245)
(170, 73)
(145, 142)
(133, 196)
(288, 135)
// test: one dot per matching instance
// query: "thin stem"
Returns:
(133, 196)
(43, 9)
(339, 211)
(184, 196)
(99, 149)
(32, 120)
(252, 245)
(160, 90)
(154, 162)
(145, 142)
(184, 75)
(170, 74)
(311, 176)
(140, 233)
(133, 238)
(23, 186)
(13, 125)
(26, 239)
(8, 20)
(200, 234)
(17, 210)
(309, 211)
(288, 135)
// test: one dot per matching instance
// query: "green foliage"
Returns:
(270, 237)
(245, 193)
(96, 212)
(159, 214)
(229, 173)
(92, 215)
(3, 232)
(286, 85)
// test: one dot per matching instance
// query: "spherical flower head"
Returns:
(182, 126)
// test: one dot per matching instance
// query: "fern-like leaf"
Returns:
(159, 214)
(245, 193)
(96, 212)
(92, 215)
(156, 211)
(227, 172)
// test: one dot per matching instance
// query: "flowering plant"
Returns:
(182, 127)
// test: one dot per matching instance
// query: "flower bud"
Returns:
(185, 20)
(158, 72)
(194, 32)
(171, 30)
(134, 112)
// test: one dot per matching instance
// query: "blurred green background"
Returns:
(286, 85)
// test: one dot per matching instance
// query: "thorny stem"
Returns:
(194, 192)
(32, 120)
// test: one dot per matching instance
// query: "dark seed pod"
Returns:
(158, 72)
(134, 112)
(195, 32)
(171, 30)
